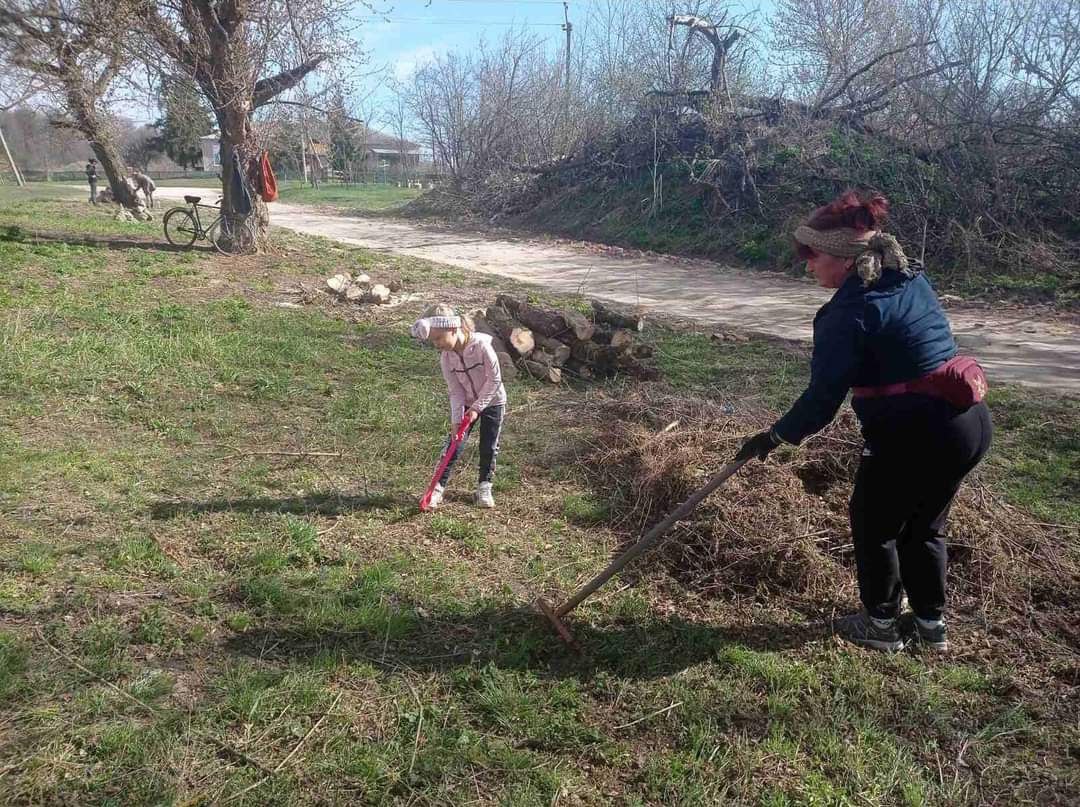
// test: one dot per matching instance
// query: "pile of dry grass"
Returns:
(781, 528)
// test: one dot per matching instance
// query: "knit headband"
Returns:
(422, 327)
(872, 250)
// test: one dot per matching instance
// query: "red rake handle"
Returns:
(455, 441)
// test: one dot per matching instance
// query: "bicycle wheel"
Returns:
(180, 229)
(233, 235)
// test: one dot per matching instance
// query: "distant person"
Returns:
(146, 185)
(884, 337)
(91, 177)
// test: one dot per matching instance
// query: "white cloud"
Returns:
(405, 64)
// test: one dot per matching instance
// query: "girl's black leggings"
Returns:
(490, 421)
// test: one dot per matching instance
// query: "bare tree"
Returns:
(398, 120)
(71, 50)
(243, 56)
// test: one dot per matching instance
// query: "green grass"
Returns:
(209, 503)
(1036, 457)
(189, 182)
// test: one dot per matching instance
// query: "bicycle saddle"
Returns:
(192, 200)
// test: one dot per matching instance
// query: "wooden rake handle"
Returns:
(652, 537)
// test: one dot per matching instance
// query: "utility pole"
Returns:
(11, 162)
(569, 29)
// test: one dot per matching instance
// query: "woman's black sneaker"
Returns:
(860, 629)
(931, 637)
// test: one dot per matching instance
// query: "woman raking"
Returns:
(884, 337)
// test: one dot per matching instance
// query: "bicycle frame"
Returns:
(203, 232)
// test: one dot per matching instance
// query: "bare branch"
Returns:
(267, 88)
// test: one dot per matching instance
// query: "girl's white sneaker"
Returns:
(484, 497)
(436, 497)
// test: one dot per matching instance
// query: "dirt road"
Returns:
(1013, 346)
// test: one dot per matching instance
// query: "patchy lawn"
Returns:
(215, 586)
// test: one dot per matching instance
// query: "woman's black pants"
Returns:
(910, 471)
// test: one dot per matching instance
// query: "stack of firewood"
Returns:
(545, 343)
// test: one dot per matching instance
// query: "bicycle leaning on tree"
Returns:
(230, 234)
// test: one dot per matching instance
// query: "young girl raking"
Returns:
(471, 370)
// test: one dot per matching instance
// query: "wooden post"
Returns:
(11, 162)
(568, 27)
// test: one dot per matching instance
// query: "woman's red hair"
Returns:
(851, 210)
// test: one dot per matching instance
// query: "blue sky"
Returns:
(417, 29)
(413, 30)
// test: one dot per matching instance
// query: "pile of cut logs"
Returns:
(545, 343)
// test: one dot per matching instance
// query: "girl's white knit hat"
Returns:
(422, 327)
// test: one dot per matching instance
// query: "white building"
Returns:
(211, 152)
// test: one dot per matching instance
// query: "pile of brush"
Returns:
(780, 528)
(545, 343)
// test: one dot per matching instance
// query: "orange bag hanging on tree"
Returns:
(268, 189)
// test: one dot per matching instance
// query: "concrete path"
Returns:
(1014, 346)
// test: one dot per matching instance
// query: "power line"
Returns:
(514, 2)
(430, 21)
(524, 2)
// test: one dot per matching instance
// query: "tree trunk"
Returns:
(521, 340)
(238, 140)
(96, 131)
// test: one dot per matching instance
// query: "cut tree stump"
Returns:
(617, 319)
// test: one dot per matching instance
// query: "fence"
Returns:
(80, 176)
(380, 176)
